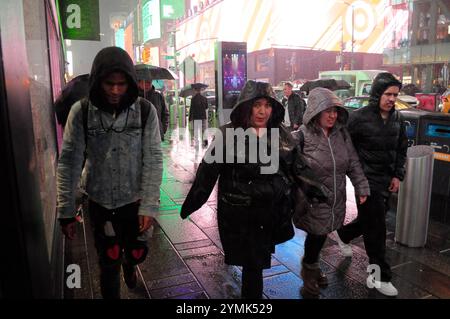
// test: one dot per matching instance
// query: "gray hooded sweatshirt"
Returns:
(331, 158)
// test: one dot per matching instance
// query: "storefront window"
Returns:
(443, 22)
(35, 12)
(424, 14)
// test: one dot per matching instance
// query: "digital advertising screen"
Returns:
(234, 71)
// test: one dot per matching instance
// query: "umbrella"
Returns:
(150, 72)
(330, 84)
(75, 90)
(190, 89)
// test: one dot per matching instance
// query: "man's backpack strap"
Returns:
(145, 111)
(84, 114)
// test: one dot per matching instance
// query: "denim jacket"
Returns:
(123, 163)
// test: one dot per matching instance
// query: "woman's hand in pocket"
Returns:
(362, 199)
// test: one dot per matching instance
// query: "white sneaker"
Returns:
(346, 249)
(386, 288)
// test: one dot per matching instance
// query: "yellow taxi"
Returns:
(445, 102)
(356, 102)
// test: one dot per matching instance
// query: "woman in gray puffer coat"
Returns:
(329, 151)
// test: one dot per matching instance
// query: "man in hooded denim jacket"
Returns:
(123, 169)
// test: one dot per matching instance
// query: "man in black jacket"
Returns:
(197, 116)
(147, 91)
(378, 134)
(294, 107)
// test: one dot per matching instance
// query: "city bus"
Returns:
(360, 81)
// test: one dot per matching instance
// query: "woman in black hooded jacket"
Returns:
(254, 205)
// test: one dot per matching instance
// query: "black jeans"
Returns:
(313, 246)
(252, 283)
(371, 223)
(115, 235)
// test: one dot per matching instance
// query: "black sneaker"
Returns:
(129, 275)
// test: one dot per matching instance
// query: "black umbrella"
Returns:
(150, 72)
(75, 90)
(330, 84)
(190, 89)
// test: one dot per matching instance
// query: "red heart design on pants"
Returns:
(137, 253)
(113, 252)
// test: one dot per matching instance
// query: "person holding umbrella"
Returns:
(197, 113)
(147, 91)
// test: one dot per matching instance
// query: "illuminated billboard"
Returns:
(287, 24)
(151, 20)
(120, 38)
(128, 41)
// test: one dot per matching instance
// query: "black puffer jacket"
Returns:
(296, 107)
(254, 209)
(381, 146)
(157, 100)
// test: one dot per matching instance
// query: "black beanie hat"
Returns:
(380, 84)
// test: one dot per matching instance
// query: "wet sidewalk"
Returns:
(185, 260)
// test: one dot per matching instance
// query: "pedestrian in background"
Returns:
(147, 90)
(197, 116)
(294, 106)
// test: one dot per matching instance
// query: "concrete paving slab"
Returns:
(175, 291)
(162, 260)
(220, 281)
(193, 244)
(283, 286)
(205, 217)
(213, 249)
(170, 281)
(179, 230)
(431, 281)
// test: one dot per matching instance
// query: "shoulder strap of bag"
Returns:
(84, 114)
(145, 111)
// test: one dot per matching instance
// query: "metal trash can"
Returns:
(414, 197)
(182, 116)
(173, 115)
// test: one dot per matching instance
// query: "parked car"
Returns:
(356, 102)
(210, 95)
(279, 93)
(411, 100)
(445, 102)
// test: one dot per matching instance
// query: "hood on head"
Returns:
(107, 61)
(320, 99)
(380, 84)
(252, 91)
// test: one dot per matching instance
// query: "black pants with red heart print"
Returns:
(115, 234)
